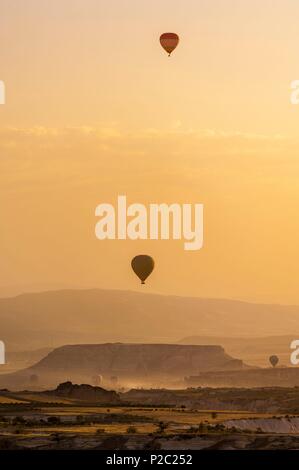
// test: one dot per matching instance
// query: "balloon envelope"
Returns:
(142, 266)
(169, 41)
(273, 360)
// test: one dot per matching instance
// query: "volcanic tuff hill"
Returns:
(54, 318)
(128, 362)
(85, 392)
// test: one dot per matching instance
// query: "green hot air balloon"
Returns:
(274, 360)
(142, 266)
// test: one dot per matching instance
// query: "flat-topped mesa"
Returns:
(136, 360)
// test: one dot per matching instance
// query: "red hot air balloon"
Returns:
(169, 42)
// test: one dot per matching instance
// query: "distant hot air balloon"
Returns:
(274, 360)
(33, 379)
(142, 266)
(97, 379)
(169, 42)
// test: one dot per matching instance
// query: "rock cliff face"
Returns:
(85, 392)
(279, 425)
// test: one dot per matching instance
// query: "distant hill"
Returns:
(22, 359)
(259, 399)
(50, 319)
(255, 351)
(121, 365)
(270, 377)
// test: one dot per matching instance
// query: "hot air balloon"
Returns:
(142, 266)
(274, 360)
(169, 42)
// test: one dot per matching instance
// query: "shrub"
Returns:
(56, 437)
(131, 430)
(101, 430)
(18, 420)
(162, 426)
(18, 430)
(53, 420)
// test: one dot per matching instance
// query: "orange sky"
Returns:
(95, 108)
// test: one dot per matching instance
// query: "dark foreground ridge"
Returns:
(85, 392)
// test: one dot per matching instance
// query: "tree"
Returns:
(131, 430)
(53, 420)
(162, 426)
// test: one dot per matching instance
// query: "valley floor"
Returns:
(33, 420)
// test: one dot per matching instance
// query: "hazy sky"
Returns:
(95, 108)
